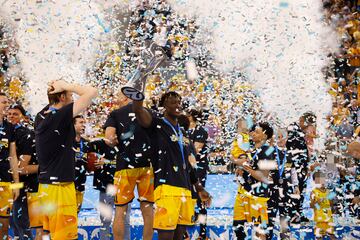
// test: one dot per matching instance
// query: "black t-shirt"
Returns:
(296, 146)
(81, 148)
(25, 145)
(7, 136)
(252, 185)
(170, 167)
(55, 136)
(102, 176)
(105, 175)
(199, 134)
(194, 175)
(134, 148)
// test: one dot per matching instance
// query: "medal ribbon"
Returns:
(280, 164)
(179, 135)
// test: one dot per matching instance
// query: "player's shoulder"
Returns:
(123, 112)
(8, 126)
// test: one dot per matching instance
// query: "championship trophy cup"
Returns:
(135, 87)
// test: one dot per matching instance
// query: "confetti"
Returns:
(105, 210)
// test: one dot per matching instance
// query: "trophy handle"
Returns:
(132, 93)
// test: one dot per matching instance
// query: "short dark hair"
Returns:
(77, 117)
(54, 98)
(196, 115)
(20, 108)
(165, 96)
(267, 129)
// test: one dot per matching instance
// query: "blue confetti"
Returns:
(106, 29)
(269, 151)
(284, 4)
(331, 195)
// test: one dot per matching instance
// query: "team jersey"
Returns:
(199, 134)
(322, 210)
(55, 136)
(252, 185)
(7, 136)
(134, 148)
(170, 162)
(25, 145)
(81, 148)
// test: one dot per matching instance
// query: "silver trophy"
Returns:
(135, 87)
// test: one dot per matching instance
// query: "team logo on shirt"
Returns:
(4, 143)
(287, 165)
(174, 138)
(79, 155)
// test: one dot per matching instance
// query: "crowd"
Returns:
(344, 89)
(344, 80)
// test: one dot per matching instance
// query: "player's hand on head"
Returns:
(57, 86)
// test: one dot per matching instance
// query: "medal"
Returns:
(281, 181)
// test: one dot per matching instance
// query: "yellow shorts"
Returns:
(125, 181)
(79, 199)
(250, 208)
(34, 209)
(194, 202)
(6, 199)
(173, 206)
(323, 228)
(58, 203)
